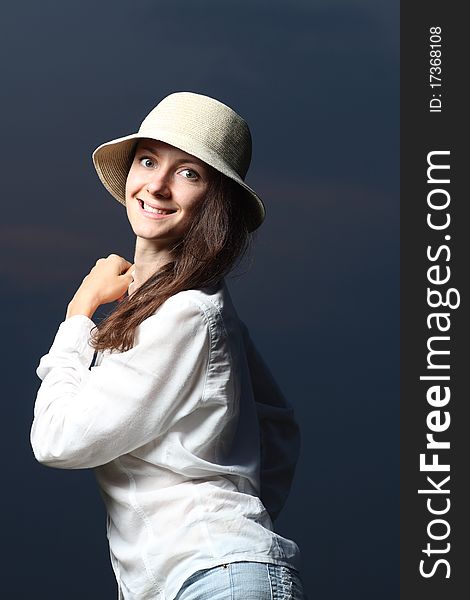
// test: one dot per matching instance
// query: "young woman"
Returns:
(193, 445)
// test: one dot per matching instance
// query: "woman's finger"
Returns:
(130, 271)
(117, 258)
(120, 264)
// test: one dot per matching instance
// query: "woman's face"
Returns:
(164, 177)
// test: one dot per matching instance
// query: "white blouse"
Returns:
(186, 431)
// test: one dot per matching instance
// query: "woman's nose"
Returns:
(158, 184)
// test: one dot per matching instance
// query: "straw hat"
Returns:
(196, 124)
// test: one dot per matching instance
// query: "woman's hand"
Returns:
(108, 280)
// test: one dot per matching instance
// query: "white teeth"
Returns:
(155, 210)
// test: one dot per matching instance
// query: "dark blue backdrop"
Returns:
(318, 83)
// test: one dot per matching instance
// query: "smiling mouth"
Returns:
(154, 210)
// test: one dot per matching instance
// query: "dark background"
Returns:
(318, 82)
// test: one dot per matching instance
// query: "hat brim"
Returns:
(113, 159)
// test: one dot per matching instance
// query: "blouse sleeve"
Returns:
(84, 418)
(279, 432)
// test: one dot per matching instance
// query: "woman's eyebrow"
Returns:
(188, 159)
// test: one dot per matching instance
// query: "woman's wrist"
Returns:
(82, 305)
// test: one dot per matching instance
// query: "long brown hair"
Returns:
(216, 241)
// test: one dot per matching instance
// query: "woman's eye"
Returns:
(189, 174)
(145, 161)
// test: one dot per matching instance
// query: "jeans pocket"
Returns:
(286, 583)
(198, 575)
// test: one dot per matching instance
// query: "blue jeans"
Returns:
(244, 580)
